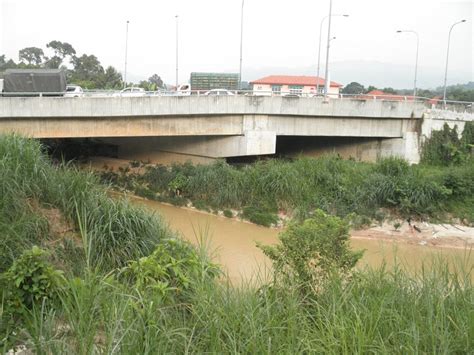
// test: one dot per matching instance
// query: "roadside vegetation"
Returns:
(440, 188)
(460, 92)
(83, 273)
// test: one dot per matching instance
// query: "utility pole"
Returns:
(241, 40)
(176, 53)
(447, 57)
(319, 48)
(416, 59)
(126, 53)
(326, 83)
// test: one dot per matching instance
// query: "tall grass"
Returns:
(376, 312)
(300, 186)
(29, 183)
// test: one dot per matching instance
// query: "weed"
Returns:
(258, 216)
(228, 213)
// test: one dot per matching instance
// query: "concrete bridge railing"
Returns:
(11, 107)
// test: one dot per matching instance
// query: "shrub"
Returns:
(201, 205)
(178, 184)
(30, 280)
(145, 192)
(170, 272)
(392, 166)
(311, 251)
(445, 148)
(228, 213)
(259, 216)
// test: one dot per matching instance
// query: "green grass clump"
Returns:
(259, 216)
(228, 213)
(201, 205)
(29, 183)
(337, 186)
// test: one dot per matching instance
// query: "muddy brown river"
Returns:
(233, 244)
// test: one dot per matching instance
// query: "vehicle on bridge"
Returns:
(34, 82)
(183, 90)
(74, 91)
(219, 92)
(130, 92)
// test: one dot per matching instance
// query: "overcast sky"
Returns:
(279, 34)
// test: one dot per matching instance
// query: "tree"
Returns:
(444, 147)
(6, 64)
(32, 55)
(353, 88)
(156, 79)
(458, 94)
(371, 88)
(147, 85)
(426, 93)
(391, 91)
(153, 83)
(87, 71)
(111, 79)
(61, 51)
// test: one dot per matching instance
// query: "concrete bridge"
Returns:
(226, 126)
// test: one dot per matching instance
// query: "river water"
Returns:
(232, 244)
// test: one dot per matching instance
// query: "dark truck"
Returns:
(34, 82)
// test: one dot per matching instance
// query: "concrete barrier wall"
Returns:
(11, 107)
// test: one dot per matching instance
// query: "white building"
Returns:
(288, 84)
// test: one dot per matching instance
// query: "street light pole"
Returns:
(319, 47)
(126, 53)
(326, 84)
(416, 60)
(447, 57)
(241, 40)
(176, 52)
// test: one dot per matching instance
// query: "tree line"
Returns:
(86, 71)
(459, 92)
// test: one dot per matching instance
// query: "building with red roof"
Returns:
(290, 84)
(381, 95)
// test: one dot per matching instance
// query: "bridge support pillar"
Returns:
(406, 147)
(250, 143)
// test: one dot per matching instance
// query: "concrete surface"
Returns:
(226, 126)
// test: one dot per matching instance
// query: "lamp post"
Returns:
(326, 84)
(416, 60)
(319, 46)
(126, 50)
(241, 39)
(176, 89)
(447, 57)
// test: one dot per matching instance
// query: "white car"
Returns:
(183, 90)
(219, 92)
(131, 91)
(73, 91)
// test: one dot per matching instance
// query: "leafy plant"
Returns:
(445, 148)
(259, 216)
(170, 272)
(311, 252)
(228, 213)
(30, 280)
(178, 184)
